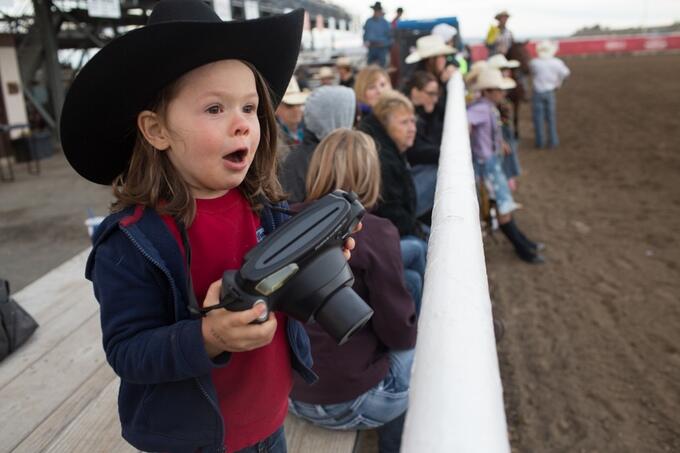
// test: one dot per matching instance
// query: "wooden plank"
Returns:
(74, 308)
(40, 294)
(41, 388)
(303, 437)
(96, 429)
(52, 426)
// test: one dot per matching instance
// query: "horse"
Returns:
(518, 51)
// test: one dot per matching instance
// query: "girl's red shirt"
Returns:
(253, 387)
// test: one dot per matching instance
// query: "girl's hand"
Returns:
(349, 244)
(506, 149)
(232, 331)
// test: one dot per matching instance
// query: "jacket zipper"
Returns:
(221, 448)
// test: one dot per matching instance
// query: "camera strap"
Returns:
(193, 307)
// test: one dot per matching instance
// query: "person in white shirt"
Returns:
(547, 74)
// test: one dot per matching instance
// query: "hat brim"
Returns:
(416, 55)
(98, 120)
(506, 84)
(295, 98)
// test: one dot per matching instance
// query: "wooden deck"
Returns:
(58, 393)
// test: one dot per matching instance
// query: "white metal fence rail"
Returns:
(456, 400)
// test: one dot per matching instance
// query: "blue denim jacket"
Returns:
(167, 401)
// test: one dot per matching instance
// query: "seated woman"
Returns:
(364, 383)
(326, 109)
(393, 127)
(370, 83)
(423, 91)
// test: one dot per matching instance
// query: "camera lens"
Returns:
(343, 314)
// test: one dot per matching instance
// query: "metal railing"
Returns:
(456, 396)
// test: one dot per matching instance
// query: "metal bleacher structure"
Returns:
(46, 32)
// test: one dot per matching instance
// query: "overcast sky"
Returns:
(530, 18)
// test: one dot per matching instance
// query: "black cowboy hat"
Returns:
(377, 6)
(99, 117)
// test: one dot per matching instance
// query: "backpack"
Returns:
(16, 325)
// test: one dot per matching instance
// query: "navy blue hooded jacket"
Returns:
(167, 401)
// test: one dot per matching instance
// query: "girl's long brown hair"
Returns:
(151, 179)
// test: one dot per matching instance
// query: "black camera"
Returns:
(300, 269)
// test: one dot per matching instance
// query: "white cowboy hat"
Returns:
(474, 71)
(293, 95)
(499, 61)
(429, 46)
(501, 14)
(491, 78)
(326, 72)
(546, 48)
(444, 31)
(343, 62)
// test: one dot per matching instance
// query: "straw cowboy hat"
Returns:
(99, 117)
(429, 46)
(343, 62)
(491, 78)
(546, 48)
(475, 70)
(444, 31)
(499, 61)
(293, 95)
(503, 13)
(325, 72)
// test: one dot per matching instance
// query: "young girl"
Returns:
(363, 383)
(178, 117)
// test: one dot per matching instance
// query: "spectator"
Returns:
(430, 54)
(325, 76)
(486, 143)
(364, 383)
(289, 116)
(499, 38)
(370, 83)
(345, 71)
(397, 17)
(547, 74)
(423, 91)
(393, 127)
(327, 108)
(377, 36)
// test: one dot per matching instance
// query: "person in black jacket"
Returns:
(423, 91)
(392, 125)
(364, 383)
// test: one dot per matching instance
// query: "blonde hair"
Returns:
(346, 160)
(388, 103)
(366, 77)
(151, 180)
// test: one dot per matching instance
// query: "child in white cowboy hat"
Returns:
(547, 75)
(178, 117)
(486, 142)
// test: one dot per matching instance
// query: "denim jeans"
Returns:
(379, 406)
(378, 55)
(413, 255)
(276, 443)
(511, 166)
(543, 112)
(425, 181)
(494, 179)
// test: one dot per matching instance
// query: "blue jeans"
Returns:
(511, 166)
(543, 112)
(378, 55)
(494, 180)
(276, 443)
(425, 182)
(376, 408)
(413, 255)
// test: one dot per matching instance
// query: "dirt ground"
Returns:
(590, 359)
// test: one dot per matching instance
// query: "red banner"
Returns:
(602, 45)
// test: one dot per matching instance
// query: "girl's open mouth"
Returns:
(237, 156)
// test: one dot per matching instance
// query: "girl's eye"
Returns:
(214, 109)
(250, 108)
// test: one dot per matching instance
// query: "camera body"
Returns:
(300, 269)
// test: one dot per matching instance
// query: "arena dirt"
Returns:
(590, 359)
